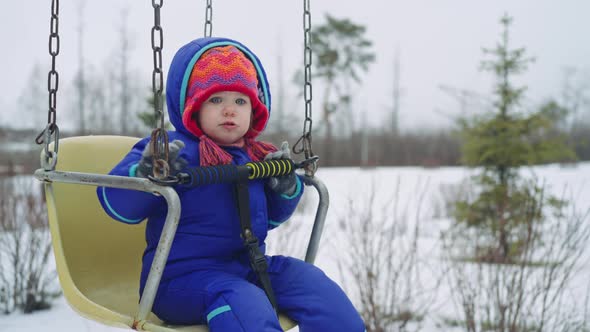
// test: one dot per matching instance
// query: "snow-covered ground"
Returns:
(418, 195)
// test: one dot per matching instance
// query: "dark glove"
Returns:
(286, 184)
(176, 164)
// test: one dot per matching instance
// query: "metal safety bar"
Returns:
(171, 223)
(168, 232)
(320, 217)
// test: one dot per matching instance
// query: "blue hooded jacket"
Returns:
(208, 234)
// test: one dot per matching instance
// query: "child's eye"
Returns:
(215, 100)
(241, 101)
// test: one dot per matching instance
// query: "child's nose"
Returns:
(229, 110)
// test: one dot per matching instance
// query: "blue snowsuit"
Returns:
(208, 278)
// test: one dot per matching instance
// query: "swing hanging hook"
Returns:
(159, 139)
(303, 144)
(49, 160)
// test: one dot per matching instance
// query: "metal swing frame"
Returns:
(48, 175)
(171, 223)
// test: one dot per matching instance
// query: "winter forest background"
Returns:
(477, 224)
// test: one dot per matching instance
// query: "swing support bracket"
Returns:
(172, 218)
(168, 232)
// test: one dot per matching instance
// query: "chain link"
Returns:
(157, 74)
(305, 139)
(45, 137)
(159, 138)
(209, 19)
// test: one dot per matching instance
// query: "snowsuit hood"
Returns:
(182, 66)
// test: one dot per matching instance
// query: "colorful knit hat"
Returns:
(225, 68)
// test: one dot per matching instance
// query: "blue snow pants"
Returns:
(233, 302)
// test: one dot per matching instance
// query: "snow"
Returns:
(61, 317)
(418, 194)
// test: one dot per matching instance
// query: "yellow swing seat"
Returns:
(99, 259)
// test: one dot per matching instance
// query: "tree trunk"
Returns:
(327, 112)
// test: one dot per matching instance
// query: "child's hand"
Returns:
(286, 184)
(177, 164)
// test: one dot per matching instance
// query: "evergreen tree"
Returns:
(342, 53)
(149, 118)
(33, 99)
(501, 142)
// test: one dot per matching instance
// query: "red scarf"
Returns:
(212, 154)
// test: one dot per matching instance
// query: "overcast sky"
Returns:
(439, 42)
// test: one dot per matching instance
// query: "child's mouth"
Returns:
(228, 125)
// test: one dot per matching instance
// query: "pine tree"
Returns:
(342, 52)
(500, 143)
(149, 118)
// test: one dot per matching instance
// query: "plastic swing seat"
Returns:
(99, 259)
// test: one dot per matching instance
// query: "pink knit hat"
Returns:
(225, 68)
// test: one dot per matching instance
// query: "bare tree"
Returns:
(279, 113)
(575, 97)
(27, 282)
(33, 99)
(99, 96)
(124, 55)
(80, 80)
(395, 94)
(385, 264)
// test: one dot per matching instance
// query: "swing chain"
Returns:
(305, 138)
(50, 159)
(159, 138)
(209, 19)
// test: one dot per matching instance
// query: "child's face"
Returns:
(225, 117)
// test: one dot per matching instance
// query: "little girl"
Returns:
(219, 102)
